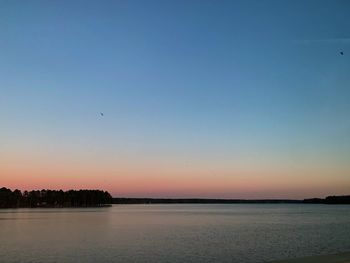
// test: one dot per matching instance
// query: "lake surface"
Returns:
(174, 233)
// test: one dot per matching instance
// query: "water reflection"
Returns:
(173, 233)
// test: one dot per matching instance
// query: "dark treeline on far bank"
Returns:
(328, 200)
(202, 201)
(341, 199)
(53, 198)
(98, 198)
(199, 201)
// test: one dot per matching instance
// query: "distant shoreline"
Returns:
(332, 258)
(327, 200)
(126, 200)
(46, 198)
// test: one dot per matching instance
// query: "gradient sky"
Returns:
(226, 99)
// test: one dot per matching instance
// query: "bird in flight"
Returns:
(101, 113)
(341, 53)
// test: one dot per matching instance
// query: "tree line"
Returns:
(97, 198)
(345, 199)
(124, 200)
(340, 199)
(53, 198)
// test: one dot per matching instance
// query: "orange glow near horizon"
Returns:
(147, 179)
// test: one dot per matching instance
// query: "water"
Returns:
(174, 233)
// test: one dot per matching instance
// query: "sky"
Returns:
(210, 99)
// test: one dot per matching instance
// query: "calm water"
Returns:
(173, 233)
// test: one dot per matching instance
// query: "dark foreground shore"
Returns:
(334, 258)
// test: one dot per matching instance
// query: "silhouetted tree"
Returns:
(343, 199)
(53, 198)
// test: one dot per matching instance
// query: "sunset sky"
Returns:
(224, 99)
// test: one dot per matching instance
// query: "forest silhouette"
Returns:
(53, 198)
(99, 198)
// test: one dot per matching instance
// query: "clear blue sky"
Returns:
(201, 87)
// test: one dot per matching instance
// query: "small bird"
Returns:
(341, 53)
(101, 114)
